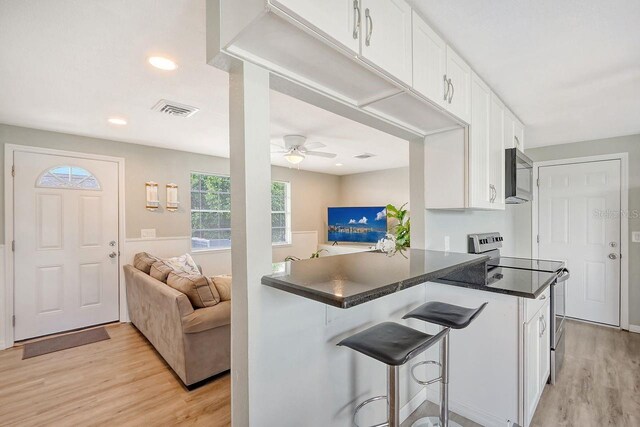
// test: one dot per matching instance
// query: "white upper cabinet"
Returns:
(459, 91)
(496, 151)
(513, 132)
(429, 62)
(480, 191)
(386, 37)
(336, 19)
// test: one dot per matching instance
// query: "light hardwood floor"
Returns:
(598, 386)
(121, 381)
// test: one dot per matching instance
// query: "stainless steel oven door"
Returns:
(558, 306)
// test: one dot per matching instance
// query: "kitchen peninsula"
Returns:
(502, 381)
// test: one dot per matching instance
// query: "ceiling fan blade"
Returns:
(320, 154)
(280, 152)
(313, 145)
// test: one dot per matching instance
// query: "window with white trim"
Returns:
(280, 213)
(70, 177)
(210, 211)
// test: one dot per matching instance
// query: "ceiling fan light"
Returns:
(294, 157)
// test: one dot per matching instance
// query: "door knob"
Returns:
(613, 256)
(113, 255)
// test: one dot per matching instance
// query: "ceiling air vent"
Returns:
(174, 108)
(364, 156)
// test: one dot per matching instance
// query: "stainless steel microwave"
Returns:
(518, 178)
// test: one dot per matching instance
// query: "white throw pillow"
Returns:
(182, 263)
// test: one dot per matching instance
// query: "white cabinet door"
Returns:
(429, 62)
(386, 37)
(479, 160)
(337, 19)
(532, 389)
(496, 152)
(513, 132)
(545, 346)
(459, 74)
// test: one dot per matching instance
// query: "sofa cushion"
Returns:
(183, 263)
(207, 318)
(223, 285)
(160, 271)
(198, 288)
(143, 261)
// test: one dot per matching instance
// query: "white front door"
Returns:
(579, 221)
(66, 243)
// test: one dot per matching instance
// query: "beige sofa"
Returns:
(195, 343)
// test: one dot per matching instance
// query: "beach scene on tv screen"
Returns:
(357, 224)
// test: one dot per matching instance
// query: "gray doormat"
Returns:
(64, 342)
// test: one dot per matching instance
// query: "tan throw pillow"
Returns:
(143, 261)
(223, 285)
(160, 271)
(198, 288)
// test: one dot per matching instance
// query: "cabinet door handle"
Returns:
(446, 87)
(452, 91)
(493, 193)
(356, 19)
(541, 327)
(517, 141)
(367, 16)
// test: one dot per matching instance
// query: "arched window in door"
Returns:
(70, 177)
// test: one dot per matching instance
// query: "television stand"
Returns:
(335, 243)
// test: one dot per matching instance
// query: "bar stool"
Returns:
(393, 345)
(449, 317)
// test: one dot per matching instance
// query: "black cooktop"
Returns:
(542, 265)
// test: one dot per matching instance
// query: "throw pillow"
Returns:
(223, 285)
(143, 261)
(198, 288)
(160, 270)
(183, 263)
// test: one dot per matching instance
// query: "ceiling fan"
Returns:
(296, 148)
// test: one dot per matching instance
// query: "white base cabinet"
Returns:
(537, 359)
(500, 363)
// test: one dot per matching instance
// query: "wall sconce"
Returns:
(152, 195)
(172, 197)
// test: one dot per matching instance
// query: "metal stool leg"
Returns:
(443, 419)
(393, 393)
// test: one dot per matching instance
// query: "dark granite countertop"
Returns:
(511, 281)
(348, 280)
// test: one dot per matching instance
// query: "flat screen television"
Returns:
(357, 224)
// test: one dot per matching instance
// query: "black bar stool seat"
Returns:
(390, 343)
(447, 315)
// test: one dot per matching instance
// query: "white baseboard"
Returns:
(474, 414)
(413, 404)
(634, 328)
(2, 346)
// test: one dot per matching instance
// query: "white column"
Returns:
(250, 222)
(416, 193)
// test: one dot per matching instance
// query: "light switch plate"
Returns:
(635, 236)
(148, 233)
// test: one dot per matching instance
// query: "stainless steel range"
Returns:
(490, 244)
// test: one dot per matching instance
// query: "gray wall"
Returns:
(144, 163)
(375, 188)
(624, 144)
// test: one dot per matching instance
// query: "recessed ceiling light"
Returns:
(162, 63)
(338, 164)
(117, 121)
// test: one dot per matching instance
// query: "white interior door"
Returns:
(66, 243)
(579, 221)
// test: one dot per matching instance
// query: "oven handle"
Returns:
(563, 275)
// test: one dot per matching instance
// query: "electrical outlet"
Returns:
(446, 244)
(635, 236)
(148, 233)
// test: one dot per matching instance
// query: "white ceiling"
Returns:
(569, 69)
(69, 65)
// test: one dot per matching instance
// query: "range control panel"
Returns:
(484, 242)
